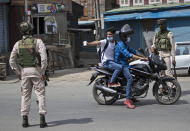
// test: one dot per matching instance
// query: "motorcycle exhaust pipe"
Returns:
(104, 88)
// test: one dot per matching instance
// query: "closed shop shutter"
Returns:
(1, 30)
(180, 28)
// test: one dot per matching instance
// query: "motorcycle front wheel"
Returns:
(103, 97)
(169, 94)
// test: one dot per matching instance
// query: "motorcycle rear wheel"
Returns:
(170, 95)
(102, 97)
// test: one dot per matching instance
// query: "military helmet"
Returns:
(25, 27)
(161, 21)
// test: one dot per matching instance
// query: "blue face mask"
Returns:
(128, 39)
(109, 38)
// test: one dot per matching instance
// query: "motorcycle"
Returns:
(166, 89)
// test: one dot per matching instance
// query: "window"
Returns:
(186, 1)
(138, 2)
(173, 1)
(124, 3)
(155, 1)
(39, 25)
(183, 49)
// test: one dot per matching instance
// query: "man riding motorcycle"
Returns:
(107, 55)
(123, 53)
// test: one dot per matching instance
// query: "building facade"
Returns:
(124, 3)
(89, 10)
(4, 35)
(52, 20)
(143, 21)
(88, 55)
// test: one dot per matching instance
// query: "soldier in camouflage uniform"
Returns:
(32, 62)
(165, 45)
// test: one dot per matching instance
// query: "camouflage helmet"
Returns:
(25, 27)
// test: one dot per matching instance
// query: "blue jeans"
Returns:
(129, 78)
(114, 66)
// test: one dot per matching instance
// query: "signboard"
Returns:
(47, 8)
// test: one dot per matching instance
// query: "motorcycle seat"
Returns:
(103, 68)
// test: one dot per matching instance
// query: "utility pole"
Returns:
(98, 19)
(26, 10)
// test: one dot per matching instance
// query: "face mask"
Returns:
(109, 38)
(128, 39)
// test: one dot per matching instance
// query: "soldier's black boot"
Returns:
(25, 121)
(42, 121)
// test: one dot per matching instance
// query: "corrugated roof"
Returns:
(149, 15)
(146, 8)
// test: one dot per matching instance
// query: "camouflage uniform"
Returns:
(31, 77)
(167, 53)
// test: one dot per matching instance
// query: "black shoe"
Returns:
(25, 121)
(43, 123)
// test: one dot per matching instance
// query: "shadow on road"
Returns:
(153, 102)
(150, 102)
(70, 121)
(59, 73)
(184, 93)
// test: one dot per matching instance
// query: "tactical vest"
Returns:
(27, 53)
(162, 41)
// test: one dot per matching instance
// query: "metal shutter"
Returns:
(1, 30)
(4, 28)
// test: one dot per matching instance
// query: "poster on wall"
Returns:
(50, 25)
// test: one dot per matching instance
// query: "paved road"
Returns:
(71, 107)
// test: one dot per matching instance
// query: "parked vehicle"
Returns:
(166, 89)
(182, 57)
